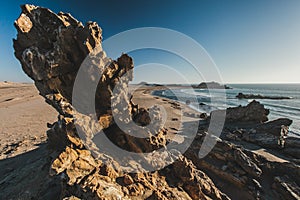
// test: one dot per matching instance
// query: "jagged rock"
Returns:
(226, 161)
(286, 188)
(196, 183)
(51, 48)
(254, 112)
(272, 134)
(246, 163)
(243, 170)
(275, 127)
(45, 53)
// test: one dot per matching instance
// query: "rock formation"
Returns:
(51, 48)
(254, 113)
(258, 96)
(254, 176)
(252, 172)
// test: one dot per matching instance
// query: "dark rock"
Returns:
(254, 113)
(246, 163)
(292, 147)
(257, 184)
(258, 96)
(187, 102)
(195, 182)
(250, 173)
(273, 134)
(142, 83)
(278, 128)
(203, 116)
(142, 117)
(274, 127)
(286, 188)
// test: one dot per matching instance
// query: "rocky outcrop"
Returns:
(249, 124)
(254, 113)
(275, 127)
(258, 96)
(257, 175)
(272, 134)
(51, 49)
(287, 187)
(234, 168)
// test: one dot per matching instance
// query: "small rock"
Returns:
(127, 179)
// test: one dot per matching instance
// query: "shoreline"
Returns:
(262, 151)
(34, 153)
(294, 129)
(226, 182)
(47, 114)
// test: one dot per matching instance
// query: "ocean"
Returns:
(213, 99)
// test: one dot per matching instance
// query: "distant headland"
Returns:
(211, 85)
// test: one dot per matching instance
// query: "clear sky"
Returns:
(251, 41)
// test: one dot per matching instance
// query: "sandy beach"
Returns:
(23, 118)
(25, 158)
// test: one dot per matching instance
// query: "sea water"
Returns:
(213, 99)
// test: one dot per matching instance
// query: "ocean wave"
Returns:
(282, 106)
(215, 100)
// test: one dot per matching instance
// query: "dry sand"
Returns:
(23, 118)
(24, 159)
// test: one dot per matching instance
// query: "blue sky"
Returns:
(251, 41)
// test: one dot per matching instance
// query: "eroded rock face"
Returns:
(45, 51)
(51, 48)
